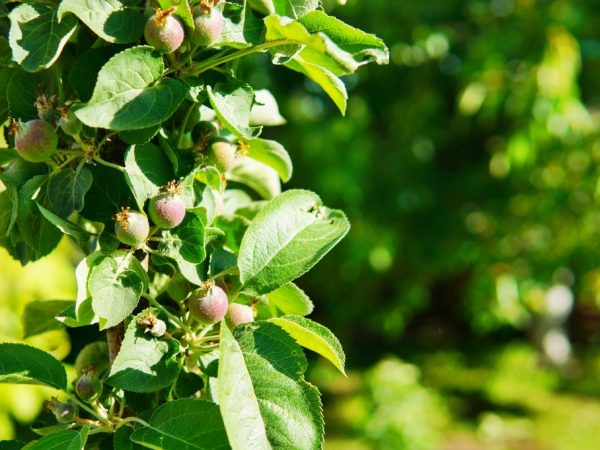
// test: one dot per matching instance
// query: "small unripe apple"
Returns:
(164, 32)
(208, 304)
(167, 210)
(88, 386)
(36, 140)
(69, 123)
(131, 227)
(222, 154)
(238, 314)
(208, 25)
(64, 412)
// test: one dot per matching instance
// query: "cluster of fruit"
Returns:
(165, 32)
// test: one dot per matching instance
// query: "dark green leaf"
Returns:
(184, 242)
(148, 169)
(84, 72)
(143, 363)
(68, 228)
(65, 440)
(131, 94)
(109, 19)
(109, 192)
(143, 136)
(67, 189)
(184, 424)
(23, 364)
(39, 316)
(36, 38)
(38, 232)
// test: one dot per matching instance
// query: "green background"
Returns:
(467, 293)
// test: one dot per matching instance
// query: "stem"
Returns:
(132, 419)
(184, 125)
(217, 61)
(105, 429)
(107, 164)
(88, 409)
(64, 164)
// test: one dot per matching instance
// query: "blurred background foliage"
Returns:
(467, 294)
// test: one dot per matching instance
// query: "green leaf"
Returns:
(236, 397)
(241, 27)
(143, 363)
(84, 311)
(232, 102)
(23, 364)
(84, 71)
(136, 137)
(290, 8)
(38, 232)
(182, 10)
(116, 283)
(68, 228)
(36, 38)
(109, 192)
(148, 169)
(131, 94)
(273, 154)
(22, 91)
(38, 316)
(11, 445)
(313, 336)
(256, 175)
(122, 440)
(109, 19)
(184, 242)
(292, 420)
(5, 76)
(332, 85)
(67, 189)
(286, 239)
(363, 46)
(65, 440)
(315, 48)
(265, 110)
(184, 424)
(290, 299)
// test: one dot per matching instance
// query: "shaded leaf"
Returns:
(184, 424)
(143, 363)
(109, 19)
(23, 364)
(36, 38)
(38, 316)
(131, 94)
(67, 189)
